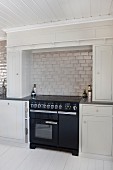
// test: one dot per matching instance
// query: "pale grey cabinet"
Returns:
(96, 129)
(103, 73)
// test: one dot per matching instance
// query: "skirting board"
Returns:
(94, 156)
(14, 143)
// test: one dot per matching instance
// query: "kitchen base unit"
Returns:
(13, 129)
(96, 130)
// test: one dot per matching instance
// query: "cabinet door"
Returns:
(68, 131)
(97, 135)
(15, 120)
(13, 74)
(103, 73)
(3, 119)
(12, 120)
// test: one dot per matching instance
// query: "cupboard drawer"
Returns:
(97, 110)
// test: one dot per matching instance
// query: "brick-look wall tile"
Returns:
(3, 65)
(62, 73)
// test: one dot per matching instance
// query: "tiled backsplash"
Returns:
(62, 73)
(3, 67)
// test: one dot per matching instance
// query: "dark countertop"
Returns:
(58, 98)
(85, 101)
(2, 97)
(46, 98)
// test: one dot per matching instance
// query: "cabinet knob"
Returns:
(98, 73)
(8, 103)
(17, 74)
(85, 122)
(97, 110)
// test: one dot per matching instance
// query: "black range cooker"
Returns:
(54, 122)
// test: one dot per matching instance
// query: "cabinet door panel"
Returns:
(12, 120)
(103, 73)
(3, 120)
(68, 131)
(15, 120)
(13, 74)
(97, 135)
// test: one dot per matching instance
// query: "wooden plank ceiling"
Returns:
(18, 13)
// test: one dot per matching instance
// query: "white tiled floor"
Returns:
(15, 158)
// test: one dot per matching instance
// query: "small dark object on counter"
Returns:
(84, 95)
(4, 87)
(89, 92)
(33, 94)
(34, 88)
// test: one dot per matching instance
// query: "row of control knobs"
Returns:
(51, 106)
(44, 106)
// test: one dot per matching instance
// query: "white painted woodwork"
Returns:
(97, 135)
(103, 73)
(13, 158)
(18, 74)
(97, 110)
(23, 13)
(26, 117)
(12, 122)
(95, 130)
(67, 35)
(26, 73)
(14, 79)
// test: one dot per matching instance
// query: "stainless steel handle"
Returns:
(51, 122)
(43, 111)
(68, 113)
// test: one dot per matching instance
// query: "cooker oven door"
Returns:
(44, 132)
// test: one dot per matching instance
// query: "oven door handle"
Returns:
(51, 122)
(67, 113)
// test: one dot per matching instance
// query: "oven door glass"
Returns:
(43, 132)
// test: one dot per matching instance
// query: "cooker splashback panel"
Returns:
(62, 73)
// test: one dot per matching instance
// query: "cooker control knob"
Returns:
(52, 106)
(39, 105)
(35, 106)
(48, 106)
(60, 106)
(56, 106)
(44, 106)
(74, 107)
(32, 105)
